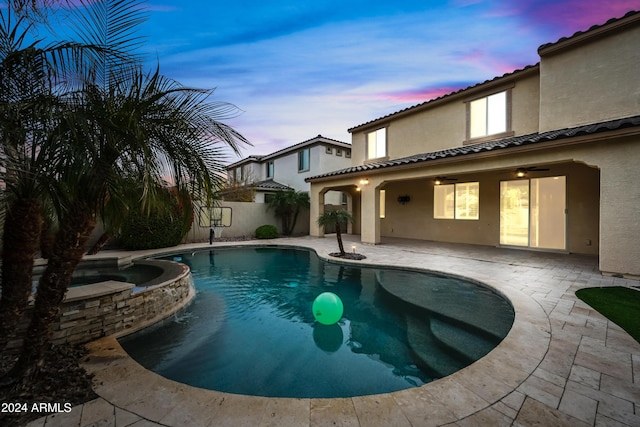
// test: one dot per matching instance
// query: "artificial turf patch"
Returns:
(618, 304)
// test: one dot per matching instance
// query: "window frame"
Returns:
(270, 169)
(385, 145)
(507, 90)
(301, 158)
(450, 209)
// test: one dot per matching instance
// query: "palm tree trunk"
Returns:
(22, 227)
(99, 245)
(68, 248)
(339, 237)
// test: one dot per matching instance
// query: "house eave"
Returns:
(595, 32)
(451, 97)
(542, 144)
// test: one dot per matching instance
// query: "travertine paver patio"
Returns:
(561, 364)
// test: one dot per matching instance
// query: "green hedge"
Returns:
(266, 232)
(164, 226)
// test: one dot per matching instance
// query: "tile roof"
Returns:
(269, 184)
(315, 140)
(590, 30)
(499, 144)
(430, 102)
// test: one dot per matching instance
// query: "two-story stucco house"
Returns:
(544, 158)
(289, 167)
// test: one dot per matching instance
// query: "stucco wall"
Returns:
(245, 218)
(415, 220)
(619, 204)
(443, 126)
(592, 82)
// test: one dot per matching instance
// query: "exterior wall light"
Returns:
(364, 181)
(520, 173)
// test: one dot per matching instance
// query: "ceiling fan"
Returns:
(520, 172)
(441, 179)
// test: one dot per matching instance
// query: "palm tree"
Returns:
(287, 205)
(29, 108)
(123, 122)
(337, 217)
(147, 124)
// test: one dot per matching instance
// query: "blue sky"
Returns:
(297, 69)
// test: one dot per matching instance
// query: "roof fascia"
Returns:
(538, 146)
(588, 36)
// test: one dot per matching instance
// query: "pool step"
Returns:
(461, 340)
(432, 355)
(448, 297)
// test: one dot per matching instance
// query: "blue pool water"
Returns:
(251, 330)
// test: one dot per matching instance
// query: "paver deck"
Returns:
(562, 363)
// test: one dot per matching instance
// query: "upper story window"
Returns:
(303, 160)
(269, 169)
(237, 175)
(488, 115)
(347, 153)
(377, 144)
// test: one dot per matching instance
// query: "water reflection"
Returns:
(328, 338)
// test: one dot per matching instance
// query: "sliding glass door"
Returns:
(533, 212)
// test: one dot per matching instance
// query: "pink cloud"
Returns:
(417, 95)
(566, 16)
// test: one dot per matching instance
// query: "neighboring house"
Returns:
(289, 167)
(545, 158)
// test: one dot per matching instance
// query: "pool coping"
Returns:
(443, 401)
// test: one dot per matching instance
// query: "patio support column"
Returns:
(316, 208)
(370, 214)
(619, 246)
(619, 202)
(350, 209)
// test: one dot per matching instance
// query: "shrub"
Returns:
(266, 232)
(165, 225)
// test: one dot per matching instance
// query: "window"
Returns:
(347, 154)
(444, 201)
(488, 115)
(457, 201)
(329, 150)
(377, 144)
(467, 200)
(268, 197)
(238, 174)
(383, 206)
(269, 167)
(338, 152)
(533, 212)
(303, 160)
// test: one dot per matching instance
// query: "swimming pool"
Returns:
(251, 330)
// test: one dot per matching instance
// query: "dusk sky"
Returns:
(299, 69)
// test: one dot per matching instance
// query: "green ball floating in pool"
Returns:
(327, 308)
